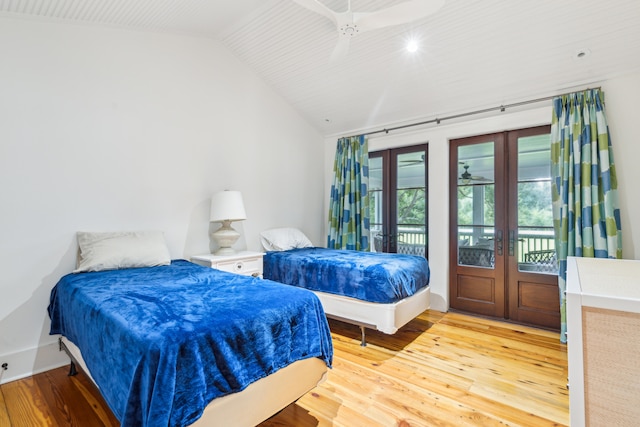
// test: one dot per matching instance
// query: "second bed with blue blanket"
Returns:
(378, 290)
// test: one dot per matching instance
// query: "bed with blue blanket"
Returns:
(169, 343)
(375, 290)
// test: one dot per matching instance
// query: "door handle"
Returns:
(499, 244)
(512, 242)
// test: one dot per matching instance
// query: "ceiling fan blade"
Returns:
(342, 48)
(473, 179)
(399, 14)
(317, 7)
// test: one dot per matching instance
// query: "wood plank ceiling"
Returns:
(472, 54)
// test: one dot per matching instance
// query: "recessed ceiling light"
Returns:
(412, 46)
(582, 53)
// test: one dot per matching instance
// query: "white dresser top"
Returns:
(607, 283)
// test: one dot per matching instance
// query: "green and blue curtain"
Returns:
(349, 205)
(586, 214)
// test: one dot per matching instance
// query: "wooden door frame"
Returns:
(526, 289)
(517, 294)
(389, 158)
(497, 306)
(386, 186)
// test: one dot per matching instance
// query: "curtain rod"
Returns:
(502, 108)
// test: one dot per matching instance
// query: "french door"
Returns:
(398, 200)
(503, 261)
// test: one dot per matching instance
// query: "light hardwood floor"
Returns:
(439, 370)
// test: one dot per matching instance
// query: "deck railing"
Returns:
(408, 242)
(531, 243)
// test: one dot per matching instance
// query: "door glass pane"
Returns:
(536, 248)
(411, 199)
(375, 202)
(476, 205)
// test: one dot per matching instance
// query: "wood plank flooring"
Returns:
(439, 370)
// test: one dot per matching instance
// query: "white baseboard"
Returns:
(32, 361)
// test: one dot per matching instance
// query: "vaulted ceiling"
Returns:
(472, 54)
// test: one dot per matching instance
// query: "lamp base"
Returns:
(225, 252)
(226, 237)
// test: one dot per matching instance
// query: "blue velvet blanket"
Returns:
(162, 342)
(368, 276)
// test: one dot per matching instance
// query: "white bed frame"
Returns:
(387, 318)
(259, 401)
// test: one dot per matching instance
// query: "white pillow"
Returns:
(283, 239)
(114, 250)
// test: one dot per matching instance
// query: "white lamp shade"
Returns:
(227, 206)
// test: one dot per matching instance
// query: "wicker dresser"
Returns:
(603, 335)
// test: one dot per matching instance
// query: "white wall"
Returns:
(621, 103)
(620, 93)
(107, 129)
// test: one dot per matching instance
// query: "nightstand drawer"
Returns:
(244, 266)
(246, 263)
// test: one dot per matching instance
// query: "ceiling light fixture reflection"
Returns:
(412, 46)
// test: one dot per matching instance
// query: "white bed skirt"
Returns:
(259, 401)
(387, 318)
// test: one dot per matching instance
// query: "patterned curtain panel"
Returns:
(586, 216)
(349, 205)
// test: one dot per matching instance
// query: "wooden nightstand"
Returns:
(245, 263)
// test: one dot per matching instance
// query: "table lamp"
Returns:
(226, 206)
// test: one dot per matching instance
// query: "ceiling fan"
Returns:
(350, 24)
(467, 178)
(412, 161)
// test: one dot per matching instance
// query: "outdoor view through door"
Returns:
(503, 260)
(398, 200)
